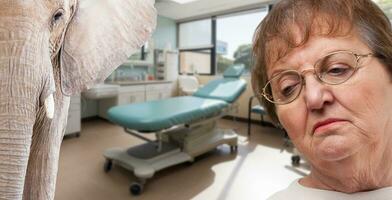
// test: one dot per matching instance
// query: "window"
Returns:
(234, 38)
(195, 61)
(209, 46)
(195, 34)
(386, 6)
(196, 45)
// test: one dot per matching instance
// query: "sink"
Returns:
(101, 91)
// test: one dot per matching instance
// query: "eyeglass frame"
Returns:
(302, 78)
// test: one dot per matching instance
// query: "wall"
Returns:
(165, 33)
(164, 36)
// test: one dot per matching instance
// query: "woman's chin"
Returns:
(335, 148)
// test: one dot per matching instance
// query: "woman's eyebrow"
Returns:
(279, 68)
(276, 71)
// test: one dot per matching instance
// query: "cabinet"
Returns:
(131, 94)
(74, 117)
(159, 60)
(166, 62)
(135, 94)
(158, 91)
(132, 97)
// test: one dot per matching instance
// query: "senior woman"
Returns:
(323, 68)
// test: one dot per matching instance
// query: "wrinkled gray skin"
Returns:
(55, 48)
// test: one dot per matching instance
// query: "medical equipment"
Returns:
(187, 84)
(185, 127)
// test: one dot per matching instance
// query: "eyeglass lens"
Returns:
(333, 69)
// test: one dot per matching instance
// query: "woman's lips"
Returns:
(325, 124)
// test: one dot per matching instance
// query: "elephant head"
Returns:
(49, 50)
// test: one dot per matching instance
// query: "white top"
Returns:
(101, 91)
(298, 192)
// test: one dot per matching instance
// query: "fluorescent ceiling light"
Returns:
(183, 1)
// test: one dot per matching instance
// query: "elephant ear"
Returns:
(101, 36)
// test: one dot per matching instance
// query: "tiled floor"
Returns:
(259, 169)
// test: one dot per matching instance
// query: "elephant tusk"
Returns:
(49, 106)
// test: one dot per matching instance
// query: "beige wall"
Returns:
(243, 100)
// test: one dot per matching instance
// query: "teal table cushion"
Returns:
(259, 110)
(226, 89)
(234, 71)
(162, 114)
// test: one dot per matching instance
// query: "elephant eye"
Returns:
(58, 15)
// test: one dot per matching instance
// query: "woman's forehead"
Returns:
(282, 56)
(298, 34)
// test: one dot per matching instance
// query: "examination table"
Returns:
(184, 127)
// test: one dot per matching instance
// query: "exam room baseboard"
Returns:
(92, 118)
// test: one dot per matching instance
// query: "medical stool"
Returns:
(259, 109)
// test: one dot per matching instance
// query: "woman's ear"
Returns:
(100, 37)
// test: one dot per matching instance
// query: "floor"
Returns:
(260, 168)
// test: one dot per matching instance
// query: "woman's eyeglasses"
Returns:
(333, 69)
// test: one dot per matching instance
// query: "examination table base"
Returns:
(178, 146)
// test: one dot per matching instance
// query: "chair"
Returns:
(258, 109)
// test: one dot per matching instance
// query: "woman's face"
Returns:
(335, 122)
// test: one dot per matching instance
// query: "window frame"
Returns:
(212, 48)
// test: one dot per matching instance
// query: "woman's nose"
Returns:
(317, 95)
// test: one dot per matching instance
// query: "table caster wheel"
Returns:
(295, 160)
(136, 188)
(189, 163)
(107, 166)
(233, 149)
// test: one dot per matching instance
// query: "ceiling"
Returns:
(203, 8)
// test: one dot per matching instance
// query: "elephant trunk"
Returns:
(45, 148)
(22, 82)
(17, 116)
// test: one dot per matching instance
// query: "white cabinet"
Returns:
(166, 63)
(158, 91)
(136, 94)
(132, 97)
(74, 117)
(151, 96)
(131, 94)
